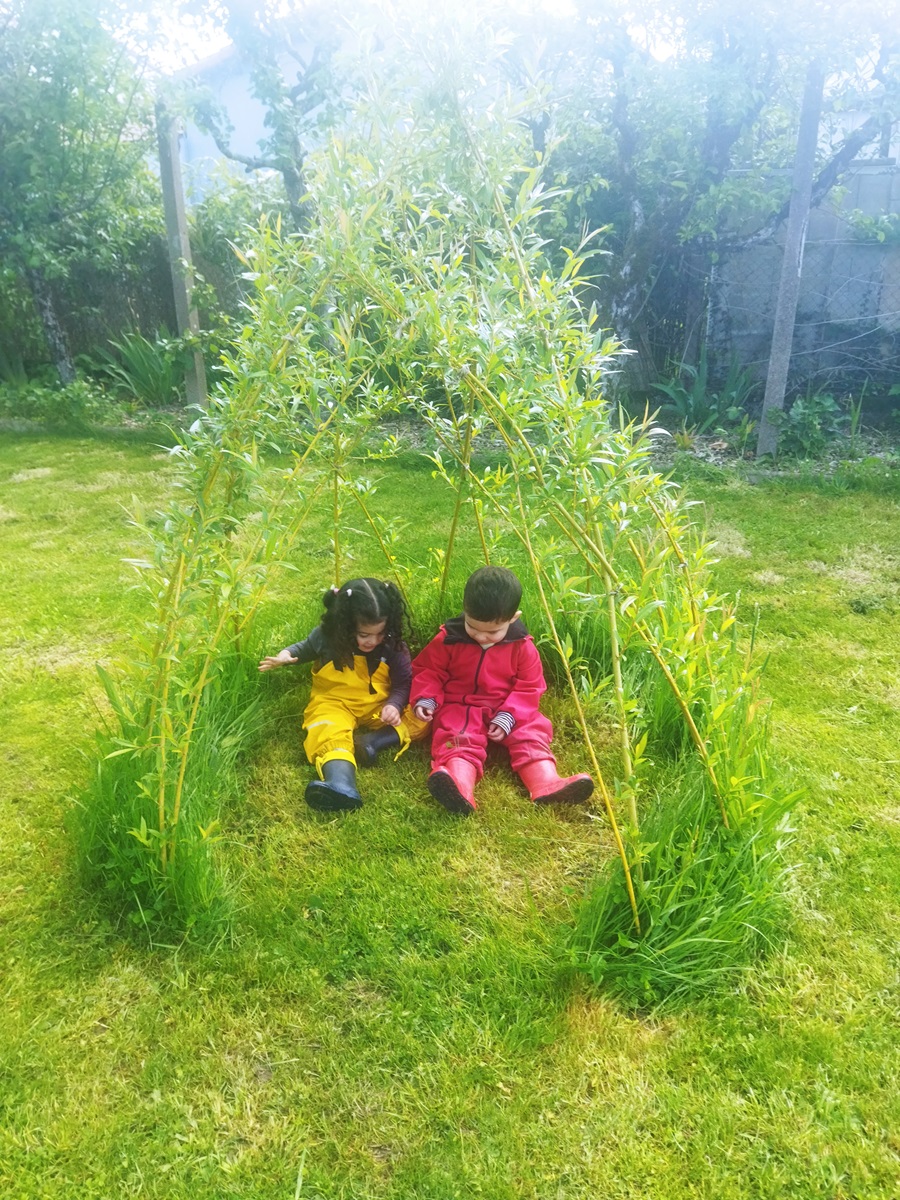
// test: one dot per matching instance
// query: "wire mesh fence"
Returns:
(847, 330)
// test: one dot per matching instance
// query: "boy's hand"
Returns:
(390, 714)
(425, 712)
(281, 659)
(496, 732)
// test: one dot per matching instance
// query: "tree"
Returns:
(672, 116)
(669, 120)
(290, 71)
(791, 267)
(75, 132)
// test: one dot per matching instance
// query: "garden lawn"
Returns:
(392, 1015)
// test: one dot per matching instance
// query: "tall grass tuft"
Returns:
(121, 851)
(711, 899)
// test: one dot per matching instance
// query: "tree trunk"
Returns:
(792, 263)
(57, 342)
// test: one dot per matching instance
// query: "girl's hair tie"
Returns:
(335, 589)
(349, 592)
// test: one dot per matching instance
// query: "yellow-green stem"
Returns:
(692, 597)
(189, 730)
(479, 521)
(454, 524)
(384, 550)
(336, 515)
(686, 712)
(490, 403)
(619, 689)
(582, 720)
(161, 796)
(170, 601)
(616, 658)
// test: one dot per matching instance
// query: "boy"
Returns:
(478, 680)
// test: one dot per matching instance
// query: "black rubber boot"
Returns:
(368, 744)
(336, 791)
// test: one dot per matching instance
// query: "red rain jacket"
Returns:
(506, 679)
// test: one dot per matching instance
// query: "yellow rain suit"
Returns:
(345, 698)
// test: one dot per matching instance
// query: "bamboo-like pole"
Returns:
(479, 521)
(336, 517)
(454, 524)
(192, 719)
(610, 588)
(686, 712)
(618, 688)
(161, 791)
(582, 720)
(388, 558)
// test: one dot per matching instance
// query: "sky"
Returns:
(187, 41)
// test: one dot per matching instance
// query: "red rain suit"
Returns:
(471, 686)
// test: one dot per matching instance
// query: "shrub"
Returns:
(695, 408)
(150, 372)
(75, 405)
(809, 425)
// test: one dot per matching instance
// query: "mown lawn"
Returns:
(393, 1016)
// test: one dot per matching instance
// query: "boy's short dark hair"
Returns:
(492, 594)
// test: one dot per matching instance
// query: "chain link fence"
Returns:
(847, 330)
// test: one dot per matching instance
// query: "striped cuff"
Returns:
(505, 720)
(431, 704)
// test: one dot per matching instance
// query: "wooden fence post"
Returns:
(179, 250)
(792, 263)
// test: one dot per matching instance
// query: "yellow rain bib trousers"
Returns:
(342, 700)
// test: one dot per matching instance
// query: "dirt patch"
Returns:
(32, 473)
(868, 566)
(729, 542)
(767, 578)
(871, 580)
(103, 482)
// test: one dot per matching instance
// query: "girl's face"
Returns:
(368, 636)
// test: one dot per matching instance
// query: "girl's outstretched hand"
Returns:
(390, 714)
(281, 659)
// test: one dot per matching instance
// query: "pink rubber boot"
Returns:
(546, 787)
(453, 786)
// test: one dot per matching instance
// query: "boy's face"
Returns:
(488, 633)
(368, 636)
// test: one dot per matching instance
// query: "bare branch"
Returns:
(826, 179)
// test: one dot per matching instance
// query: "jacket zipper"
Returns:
(484, 650)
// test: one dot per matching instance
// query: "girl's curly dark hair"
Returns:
(362, 602)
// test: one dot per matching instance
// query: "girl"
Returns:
(361, 676)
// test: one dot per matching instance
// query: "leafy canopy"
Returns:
(75, 134)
